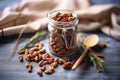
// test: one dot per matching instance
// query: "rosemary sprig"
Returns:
(35, 37)
(97, 62)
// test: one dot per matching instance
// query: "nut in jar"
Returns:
(63, 29)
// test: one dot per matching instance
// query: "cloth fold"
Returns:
(91, 18)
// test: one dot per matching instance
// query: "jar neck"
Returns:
(60, 24)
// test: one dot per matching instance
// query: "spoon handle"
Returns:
(80, 59)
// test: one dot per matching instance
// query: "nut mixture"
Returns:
(56, 40)
(38, 54)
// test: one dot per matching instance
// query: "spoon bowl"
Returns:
(91, 40)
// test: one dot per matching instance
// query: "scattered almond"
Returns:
(34, 48)
(61, 61)
(42, 51)
(54, 64)
(103, 45)
(43, 68)
(56, 60)
(39, 73)
(41, 63)
(66, 65)
(21, 51)
(49, 60)
(20, 58)
(48, 71)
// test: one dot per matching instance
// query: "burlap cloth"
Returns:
(103, 17)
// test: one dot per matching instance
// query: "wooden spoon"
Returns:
(89, 42)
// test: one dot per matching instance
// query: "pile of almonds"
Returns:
(60, 48)
(46, 62)
(56, 34)
(38, 54)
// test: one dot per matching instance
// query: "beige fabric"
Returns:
(103, 17)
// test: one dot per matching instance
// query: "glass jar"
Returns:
(62, 37)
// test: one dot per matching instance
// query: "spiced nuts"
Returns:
(62, 42)
(67, 65)
(20, 58)
(57, 43)
(39, 73)
(46, 62)
(29, 66)
(63, 17)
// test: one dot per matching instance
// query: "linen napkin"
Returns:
(91, 17)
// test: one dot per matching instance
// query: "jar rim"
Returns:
(58, 22)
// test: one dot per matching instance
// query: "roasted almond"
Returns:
(48, 71)
(20, 58)
(43, 68)
(61, 61)
(26, 51)
(49, 60)
(40, 45)
(66, 65)
(21, 51)
(54, 64)
(41, 63)
(42, 51)
(39, 73)
(35, 49)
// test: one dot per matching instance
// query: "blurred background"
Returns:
(5, 3)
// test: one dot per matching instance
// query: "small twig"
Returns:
(16, 43)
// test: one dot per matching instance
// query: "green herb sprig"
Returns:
(35, 37)
(98, 63)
